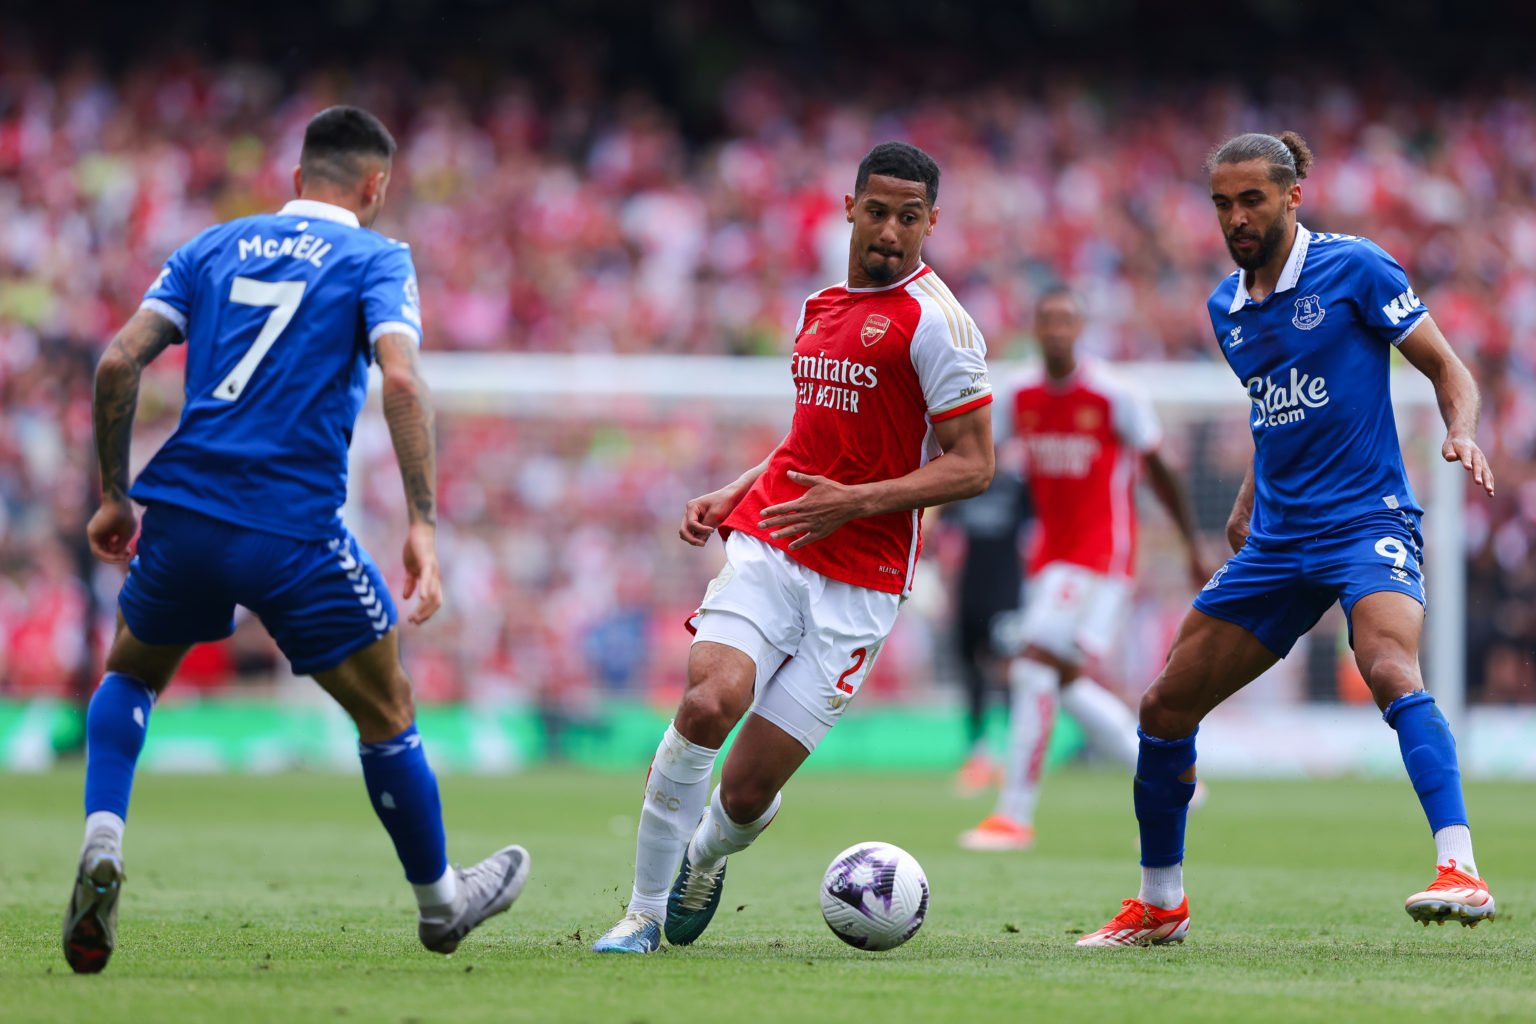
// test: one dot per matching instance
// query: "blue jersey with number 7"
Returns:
(280, 313)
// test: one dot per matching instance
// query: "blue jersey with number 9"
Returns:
(280, 313)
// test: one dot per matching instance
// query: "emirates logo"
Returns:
(874, 328)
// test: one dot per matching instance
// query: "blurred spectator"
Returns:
(598, 226)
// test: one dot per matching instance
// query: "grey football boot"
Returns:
(485, 890)
(90, 925)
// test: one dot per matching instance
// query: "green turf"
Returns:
(277, 899)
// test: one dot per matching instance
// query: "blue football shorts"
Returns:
(322, 600)
(1278, 592)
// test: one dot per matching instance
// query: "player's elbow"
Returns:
(401, 383)
(981, 480)
(981, 469)
(115, 368)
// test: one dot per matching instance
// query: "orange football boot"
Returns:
(998, 833)
(1453, 896)
(1141, 924)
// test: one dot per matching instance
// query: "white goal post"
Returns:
(590, 386)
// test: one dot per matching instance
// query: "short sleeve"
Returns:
(950, 357)
(171, 294)
(1135, 420)
(1388, 305)
(391, 298)
(800, 321)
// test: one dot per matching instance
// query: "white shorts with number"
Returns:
(1072, 612)
(813, 639)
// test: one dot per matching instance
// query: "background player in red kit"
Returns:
(892, 415)
(1083, 433)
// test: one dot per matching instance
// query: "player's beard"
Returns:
(1269, 244)
(878, 269)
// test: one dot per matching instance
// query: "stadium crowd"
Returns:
(593, 224)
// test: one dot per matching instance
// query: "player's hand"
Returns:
(702, 515)
(1465, 451)
(1237, 533)
(421, 572)
(1199, 571)
(111, 531)
(815, 514)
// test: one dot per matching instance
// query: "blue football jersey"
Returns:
(1314, 356)
(279, 313)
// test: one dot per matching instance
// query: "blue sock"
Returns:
(1162, 801)
(404, 794)
(115, 726)
(1429, 754)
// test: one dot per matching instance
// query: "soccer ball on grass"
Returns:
(874, 896)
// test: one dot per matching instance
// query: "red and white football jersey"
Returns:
(1083, 438)
(874, 369)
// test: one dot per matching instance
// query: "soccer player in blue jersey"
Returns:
(281, 314)
(1324, 514)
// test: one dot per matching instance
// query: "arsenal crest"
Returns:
(1309, 313)
(874, 329)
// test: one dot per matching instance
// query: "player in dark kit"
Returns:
(987, 593)
(1325, 514)
(281, 314)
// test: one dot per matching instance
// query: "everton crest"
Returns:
(1309, 312)
(874, 328)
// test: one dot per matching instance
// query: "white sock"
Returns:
(438, 894)
(675, 793)
(1162, 887)
(1106, 720)
(103, 826)
(717, 836)
(1454, 842)
(1030, 717)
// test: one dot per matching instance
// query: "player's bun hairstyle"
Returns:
(1289, 157)
(899, 160)
(337, 141)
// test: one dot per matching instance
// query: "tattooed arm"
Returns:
(409, 415)
(113, 405)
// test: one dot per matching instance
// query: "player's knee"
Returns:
(707, 715)
(1389, 676)
(391, 712)
(153, 666)
(745, 800)
(1168, 714)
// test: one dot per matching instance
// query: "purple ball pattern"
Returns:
(874, 896)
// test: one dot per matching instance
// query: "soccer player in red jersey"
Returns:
(892, 415)
(1084, 434)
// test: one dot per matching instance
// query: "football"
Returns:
(874, 896)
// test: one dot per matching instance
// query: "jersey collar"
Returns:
(317, 210)
(1290, 274)
(921, 269)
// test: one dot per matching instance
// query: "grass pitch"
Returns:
(277, 898)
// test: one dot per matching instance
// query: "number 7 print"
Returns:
(284, 298)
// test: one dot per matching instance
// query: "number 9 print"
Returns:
(1392, 549)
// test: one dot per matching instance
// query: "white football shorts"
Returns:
(813, 639)
(1072, 612)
